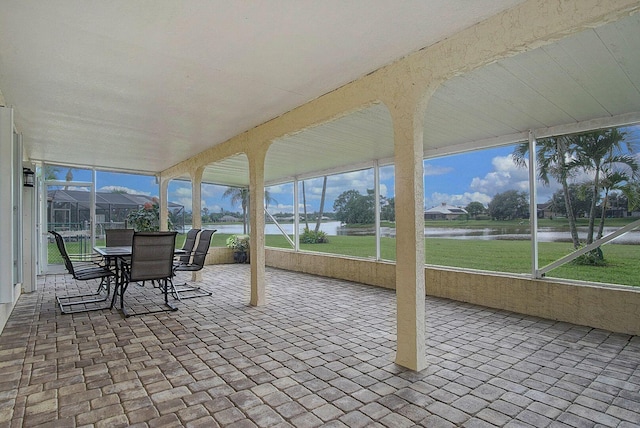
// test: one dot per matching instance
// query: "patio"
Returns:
(320, 352)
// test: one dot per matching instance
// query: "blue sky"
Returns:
(455, 180)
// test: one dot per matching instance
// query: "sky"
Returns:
(456, 180)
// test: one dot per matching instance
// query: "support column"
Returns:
(410, 288)
(196, 198)
(196, 209)
(256, 226)
(164, 204)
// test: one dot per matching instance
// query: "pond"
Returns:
(546, 234)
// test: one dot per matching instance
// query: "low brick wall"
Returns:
(219, 256)
(613, 308)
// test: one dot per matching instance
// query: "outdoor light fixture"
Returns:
(28, 177)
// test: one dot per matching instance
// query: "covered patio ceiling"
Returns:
(591, 79)
(135, 86)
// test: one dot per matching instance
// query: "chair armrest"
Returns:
(86, 258)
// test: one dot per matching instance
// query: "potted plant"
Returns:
(240, 246)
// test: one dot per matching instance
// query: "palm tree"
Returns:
(50, 172)
(631, 190)
(304, 207)
(240, 195)
(321, 211)
(553, 157)
(68, 178)
(603, 153)
(324, 191)
(610, 181)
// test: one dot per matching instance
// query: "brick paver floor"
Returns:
(320, 353)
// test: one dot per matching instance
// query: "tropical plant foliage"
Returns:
(313, 237)
(238, 242)
(147, 218)
(604, 155)
(240, 196)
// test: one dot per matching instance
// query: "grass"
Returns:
(490, 255)
(558, 223)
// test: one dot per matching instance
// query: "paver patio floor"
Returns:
(319, 353)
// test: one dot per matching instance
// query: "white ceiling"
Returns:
(587, 80)
(141, 86)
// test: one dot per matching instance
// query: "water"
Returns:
(547, 234)
(330, 228)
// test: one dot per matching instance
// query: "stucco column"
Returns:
(164, 204)
(196, 197)
(410, 289)
(256, 225)
(196, 209)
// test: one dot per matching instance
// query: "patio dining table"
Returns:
(116, 256)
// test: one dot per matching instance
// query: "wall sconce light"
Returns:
(28, 177)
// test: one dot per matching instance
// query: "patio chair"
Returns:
(151, 260)
(118, 237)
(187, 247)
(83, 268)
(195, 250)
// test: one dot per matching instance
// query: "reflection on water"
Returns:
(546, 234)
(330, 228)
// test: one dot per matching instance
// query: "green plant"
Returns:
(313, 237)
(591, 258)
(238, 243)
(147, 218)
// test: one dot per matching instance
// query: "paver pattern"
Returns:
(320, 353)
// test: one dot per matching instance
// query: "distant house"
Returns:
(444, 211)
(546, 210)
(229, 219)
(71, 209)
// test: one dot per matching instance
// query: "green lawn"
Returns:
(491, 255)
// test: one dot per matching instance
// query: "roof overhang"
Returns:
(122, 86)
(586, 81)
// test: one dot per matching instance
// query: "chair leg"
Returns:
(186, 291)
(165, 287)
(105, 284)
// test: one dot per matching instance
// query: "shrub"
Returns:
(313, 237)
(147, 218)
(591, 258)
(238, 242)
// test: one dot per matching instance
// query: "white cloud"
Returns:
(430, 169)
(123, 190)
(336, 184)
(506, 175)
(281, 208)
(183, 192)
(185, 202)
(460, 200)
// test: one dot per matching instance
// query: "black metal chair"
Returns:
(83, 269)
(195, 250)
(151, 260)
(118, 237)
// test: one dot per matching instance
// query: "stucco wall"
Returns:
(219, 255)
(7, 308)
(611, 308)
